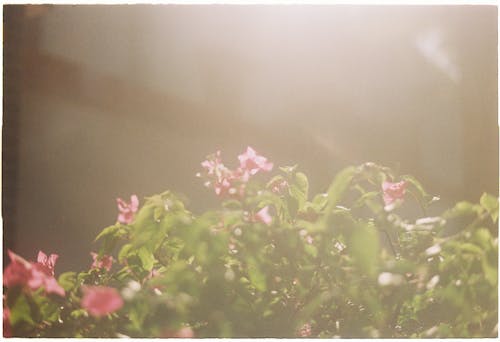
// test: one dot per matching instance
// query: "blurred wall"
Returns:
(105, 101)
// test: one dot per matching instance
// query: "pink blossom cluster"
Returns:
(393, 191)
(279, 186)
(227, 182)
(105, 261)
(305, 330)
(184, 332)
(263, 216)
(32, 275)
(101, 300)
(127, 210)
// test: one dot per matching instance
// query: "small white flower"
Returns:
(122, 335)
(237, 232)
(431, 331)
(433, 282)
(429, 220)
(387, 278)
(130, 290)
(128, 293)
(339, 246)
(390, 206)
(134, 285)
(433, 250)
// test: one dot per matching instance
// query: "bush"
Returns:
(274, 261)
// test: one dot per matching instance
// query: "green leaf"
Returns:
(490, 271)
(490, 203)
(366, 197)
(147, 258)
(158, 213)
(111, 230)
(274, 180)
(311, 250)
(124, 252)
(67, 280)
(289, 170)
(471, 248)
(257, 277)
(483, 237)
(364, 246)
(145, 215)
(302, 183)
(293, 205)
(297, 193)
(79, 313)
(319, 201)
(463, 208)
(417, 185)
(20, 311)
(339, 186)
(232, 204)
(48, 309)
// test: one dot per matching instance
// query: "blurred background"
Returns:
(105, 101)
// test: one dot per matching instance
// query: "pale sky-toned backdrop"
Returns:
(105, 101)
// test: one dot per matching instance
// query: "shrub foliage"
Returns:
(363, 259)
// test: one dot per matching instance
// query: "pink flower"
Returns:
(393, 191)
(32, 274)
(106, 261)
(18, 272)
(225, 181)
(48, 262)
(185, 332)
(213, 163)
(263, 216)
(279, 186)
(251, 163)
(40, 278)
(305, 330)
(127, 210)
(100, 300)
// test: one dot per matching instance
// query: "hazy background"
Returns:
(106, 101)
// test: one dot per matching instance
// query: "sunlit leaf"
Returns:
(108, 231)
(364, 246)
(257, 277)
(490, 203)
(147, 258)
(67, 280)
(339, 186)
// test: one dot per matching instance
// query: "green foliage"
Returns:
(334, 264)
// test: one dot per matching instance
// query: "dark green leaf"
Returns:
(67, 280)
(20, 311)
